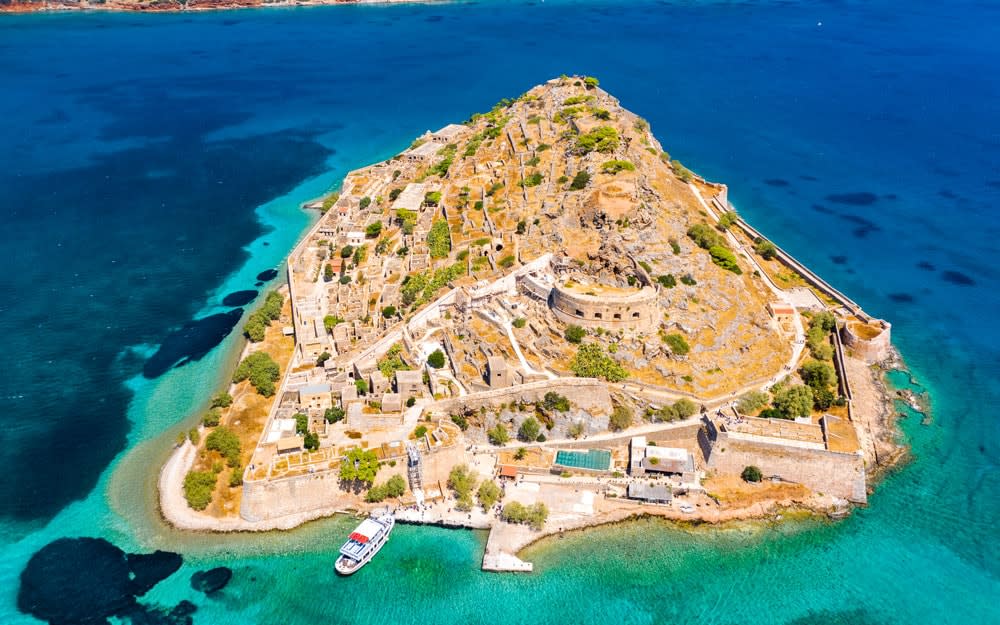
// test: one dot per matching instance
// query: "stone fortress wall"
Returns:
(587, 393)
(870, 341)
(268, 499)
(822, 471)
(635, 311)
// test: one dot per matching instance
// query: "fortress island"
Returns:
(535, 321)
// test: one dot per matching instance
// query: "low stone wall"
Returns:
(264, 500)
(831, 473)
(586, 393)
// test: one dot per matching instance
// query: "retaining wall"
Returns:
(586, 393)
(264, 500)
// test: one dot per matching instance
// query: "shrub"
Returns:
(222, 399)
(752, 402)
(675, 246)
(507, 261)
(334, 414)
(436, 359)
(236, 477)
(212, 417)
(520, 322)
(590, 82)
(347, 251)
(724, 257)
(705, 236)
(529, 430)
(590, 361)
(328, 272)
(688, 279)
(751, 474)
(681, 171)
(823, 320)
(439, 239)
(365, 202)
(322, 358)
(574, 333)
(601, 139)
(522, 227)
(311, 441)
(395, 194)
(823, 398)
(345, 279)
(498, 434)
(460, 421)
(420, 431)
(373, 230)
(389, 312)
(577, 429)
(685, 408)
(488, 494)
(667, 281)
(227, 443)
(621, 418)
(330, 321)
(555, 401)
(432, 198)
(261, 370)
(766, 249)
(613, 167)
(677, 343)
(362, 386)
(580, 180)
(727, 219)
(198, 487)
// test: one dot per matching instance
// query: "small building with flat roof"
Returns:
(409, 384)
(315, 397)
(392, 402)
(497, 375)
(290, 444)
(650, 492)
(412, 197)
(423, 152)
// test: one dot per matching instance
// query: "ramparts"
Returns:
(586, 393)
(635, 310)
(869, 341)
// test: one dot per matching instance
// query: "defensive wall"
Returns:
(636, 310)
(869, 341)
(821, 471)
(586, 393)
(268, 499)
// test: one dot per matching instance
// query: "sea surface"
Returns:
(151, 165)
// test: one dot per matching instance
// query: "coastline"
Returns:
(758, 502)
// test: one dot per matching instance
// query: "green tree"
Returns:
(621, 418)
(817, 374)
(432, 198)
(462, 481)
(794, 401)
(322, 358)
(359, 466)
(601, 139)
(365, 202)
(590, 82)
(705, 236)
(420, 431)
(590, 361)
(488, 494)
(311, 441)
(222, 399)
(226, 442)
(498, 434)
(328, 272)
(301, 423)
(520, 322)
(254, 328)
(460, 421)
(823, 398)
(823, 320)
(436, 359)
(667, 281)
(331, 321)
(751, 474)
(529, 430)
(752, 402)
(334, 414)
(362, 386)
(198, 487)
(574, 333)
(727, 219)
(261, 370)
(534, 515)
(389, 312)
(347, 251)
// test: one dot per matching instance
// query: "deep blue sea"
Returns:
(151, 165)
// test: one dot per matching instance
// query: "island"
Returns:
(536, 321)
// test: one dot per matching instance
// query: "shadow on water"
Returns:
(191, 342)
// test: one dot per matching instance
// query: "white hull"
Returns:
(348, 565)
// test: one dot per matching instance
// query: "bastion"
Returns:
(869, 341)
(597, 306)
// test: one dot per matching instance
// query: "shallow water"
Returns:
(141, 184)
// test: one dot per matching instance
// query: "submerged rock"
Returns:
(88, 580)
(270, 274)
(211, 580)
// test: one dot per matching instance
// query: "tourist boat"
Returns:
(364, 542)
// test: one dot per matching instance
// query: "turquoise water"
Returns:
(598, 459)
(150, 165)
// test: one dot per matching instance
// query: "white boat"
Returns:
(363, 543)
